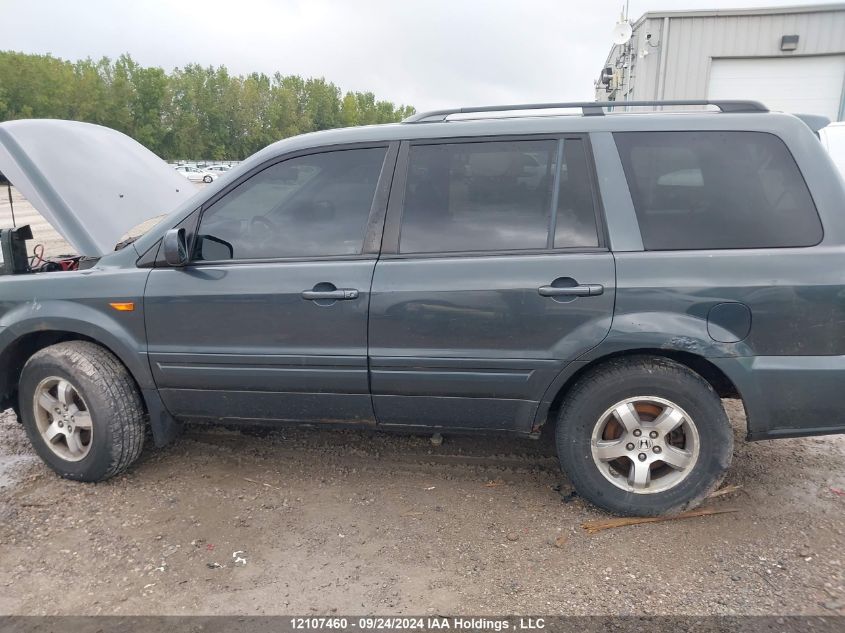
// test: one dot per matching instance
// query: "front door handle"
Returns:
(338, 294)
(584, 290)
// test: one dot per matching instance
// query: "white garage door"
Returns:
(806, 85)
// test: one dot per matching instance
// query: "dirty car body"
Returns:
(490, 275)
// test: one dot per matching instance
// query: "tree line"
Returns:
(192, 112)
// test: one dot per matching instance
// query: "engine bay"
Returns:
(16, 260)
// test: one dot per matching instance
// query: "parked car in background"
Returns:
(610, 275)
(195, 174)
(218, 169)
(833, 138)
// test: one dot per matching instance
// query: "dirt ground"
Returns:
(313, 521)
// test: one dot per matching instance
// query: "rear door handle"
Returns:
(584, 290)
(339, 294)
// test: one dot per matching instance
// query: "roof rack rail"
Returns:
(588, 108)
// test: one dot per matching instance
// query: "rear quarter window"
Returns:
(716, 190)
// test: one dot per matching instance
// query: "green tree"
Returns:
(349, 110)
(191, 112)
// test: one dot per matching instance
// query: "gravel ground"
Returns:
(312, 521)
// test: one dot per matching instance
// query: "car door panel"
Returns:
(282, 339)
(257, 334)
(468, 340)
(477, 329)
(257, 309)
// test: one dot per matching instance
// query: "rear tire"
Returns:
(81, 410)
(620, 422)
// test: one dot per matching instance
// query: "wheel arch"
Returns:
(15, 351)
(15, 354)
(550, 406)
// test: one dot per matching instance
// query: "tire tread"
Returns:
(613, 371)
(127, 420)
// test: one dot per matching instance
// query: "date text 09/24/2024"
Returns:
(416, 623)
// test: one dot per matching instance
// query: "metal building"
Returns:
(790, 58)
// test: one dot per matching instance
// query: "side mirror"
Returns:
(176, 247)
(212, 249)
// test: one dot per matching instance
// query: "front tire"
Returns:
(81, 410)
(207, 179)
(644, 436)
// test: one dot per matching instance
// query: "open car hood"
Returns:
(90, 182)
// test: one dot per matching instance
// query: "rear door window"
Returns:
(717, 190)
(497, 196)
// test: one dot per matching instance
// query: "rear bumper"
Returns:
(789, 396)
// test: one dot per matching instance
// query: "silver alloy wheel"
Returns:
(63, 418)
(645, 444)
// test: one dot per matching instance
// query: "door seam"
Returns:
(372, 280)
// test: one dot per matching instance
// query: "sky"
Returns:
(425, 53)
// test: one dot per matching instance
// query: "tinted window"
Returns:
(478, 196)
(575, 220)
(497, 195)
(307, 206)
(700, 190)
